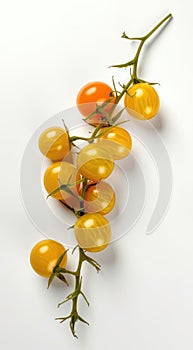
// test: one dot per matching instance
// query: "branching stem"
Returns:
(58, 271)
(134, 62)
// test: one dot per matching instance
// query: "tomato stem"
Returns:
(143, 40)
(80, 199)
(58, 271)
(88, 139)
(95, 134)
(134, 62)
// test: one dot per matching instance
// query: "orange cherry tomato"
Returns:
(118, 141)
(142, 101)
(44, 256)
(54, 143)
(91, 94)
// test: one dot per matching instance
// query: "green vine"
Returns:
(60, 273)
(134, 62)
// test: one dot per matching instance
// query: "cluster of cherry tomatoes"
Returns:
(81, 186)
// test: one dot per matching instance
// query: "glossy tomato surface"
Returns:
(54, 143)
(91, 94)
(93, 232)
(62, 173)
(142, 101)
(99, 198)
(94, 162)
(44, 256)
(118, 141)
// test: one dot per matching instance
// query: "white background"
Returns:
(143, 298)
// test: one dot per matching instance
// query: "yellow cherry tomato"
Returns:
(93, 232)
(94, 162)
(118, 141)
(62, 173)
(54, 143)
(100, 198)
(44, 256)
(142, 101)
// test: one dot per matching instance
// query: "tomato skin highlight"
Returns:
(94, 162)
(99, 198)
(118, 141)
(44, 256)
(91, 94)
(142, 101)
(93, 232)
(60, 173)
(54, 143)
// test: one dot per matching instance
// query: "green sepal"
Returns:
(62, 278)
(51, 278)
(61, 258)
(118, 115)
